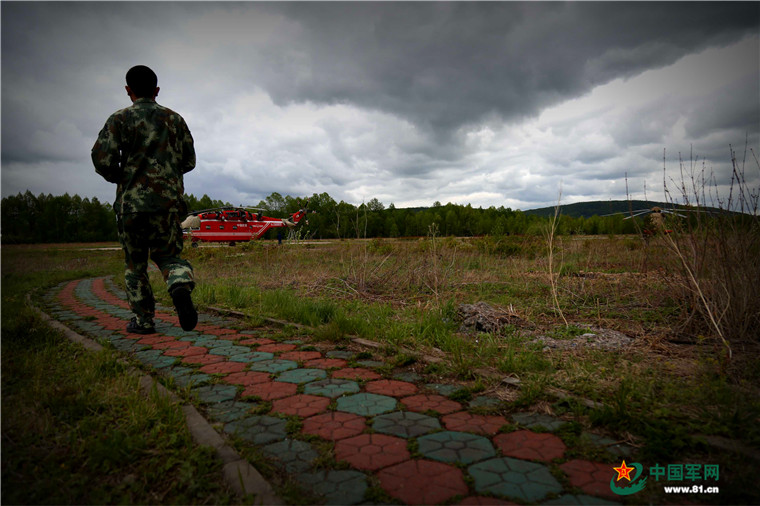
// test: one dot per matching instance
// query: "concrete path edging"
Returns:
(239, 474)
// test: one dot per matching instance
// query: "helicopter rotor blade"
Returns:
(639, 213)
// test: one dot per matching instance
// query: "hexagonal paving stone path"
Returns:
(405, 424)
(468, 422)
(425, 403)
(524, 444)
(591, 477)
(371, 451)
(334, 425)
(422, 482)
(518, 479)
(453, 447)
(344, 434)
(332, 387)
(300, 405)
(366, 404)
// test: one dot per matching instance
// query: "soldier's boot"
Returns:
(183, 303)
(135, 327)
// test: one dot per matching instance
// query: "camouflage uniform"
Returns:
(145, 149)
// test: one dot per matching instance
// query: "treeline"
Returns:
(27, 218)
(341, 220)
(44, 218)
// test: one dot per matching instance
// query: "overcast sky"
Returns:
(410, 103)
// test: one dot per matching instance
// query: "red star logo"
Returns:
(623, 471)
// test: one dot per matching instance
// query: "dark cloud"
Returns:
(412, 101)
(445, 64)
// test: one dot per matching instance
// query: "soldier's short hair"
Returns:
(142, 81)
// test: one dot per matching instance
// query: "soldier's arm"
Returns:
(188, 150)
(106, 154)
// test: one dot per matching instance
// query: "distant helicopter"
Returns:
(656, 219)
(233, 224)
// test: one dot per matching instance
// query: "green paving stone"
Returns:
(158, 362)
(519, 479)
(252, 356)
(294, 455)
(365, 404)
(301, 376)
(405, 424)
(229, 411)
(538, 420)
(201, 340)
(173, 331)
(410, 377)
(222, 343)
(293, 341)
(229, 350)
(104, 334)
(332, 387)
(186, 376)
(215, 393)
(339, 354)
(258, 429)
(273, 366)
(484, 401)
(371, 363)
(337, 487)
(443, 389)
(128, 345)
(177, 371)
(579, 500)
(192, 380)
(449, 446)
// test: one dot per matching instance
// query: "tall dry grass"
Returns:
(716, 253)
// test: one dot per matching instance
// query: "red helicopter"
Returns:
(233, 224)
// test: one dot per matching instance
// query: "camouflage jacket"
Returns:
(145, 149)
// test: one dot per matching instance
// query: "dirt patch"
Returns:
(595, 338)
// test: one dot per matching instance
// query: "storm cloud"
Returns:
(494, 103)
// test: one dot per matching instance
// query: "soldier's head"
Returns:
(141, 83)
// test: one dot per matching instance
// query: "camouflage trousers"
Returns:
(157, 236)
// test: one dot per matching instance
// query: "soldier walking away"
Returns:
(145, 149)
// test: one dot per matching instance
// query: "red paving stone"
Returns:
(334, 425)
(326, 363)
(300, 356)
(301, 405)
(271, 390)
(392, 388)
(372, 451)
(155, 339)
(355, 373)
(223, 367)
(276, 348)
(479, 424)
(256, 340)
(206, 329)
(168, 345)
(527, 445)
(187, 352)
(233, 337)
(441, 482)
(437, 403)
(201, 359)
(247, 378)
(591, 477)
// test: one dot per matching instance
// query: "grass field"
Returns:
(667, 382)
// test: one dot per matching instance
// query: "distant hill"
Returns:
(598, 208)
